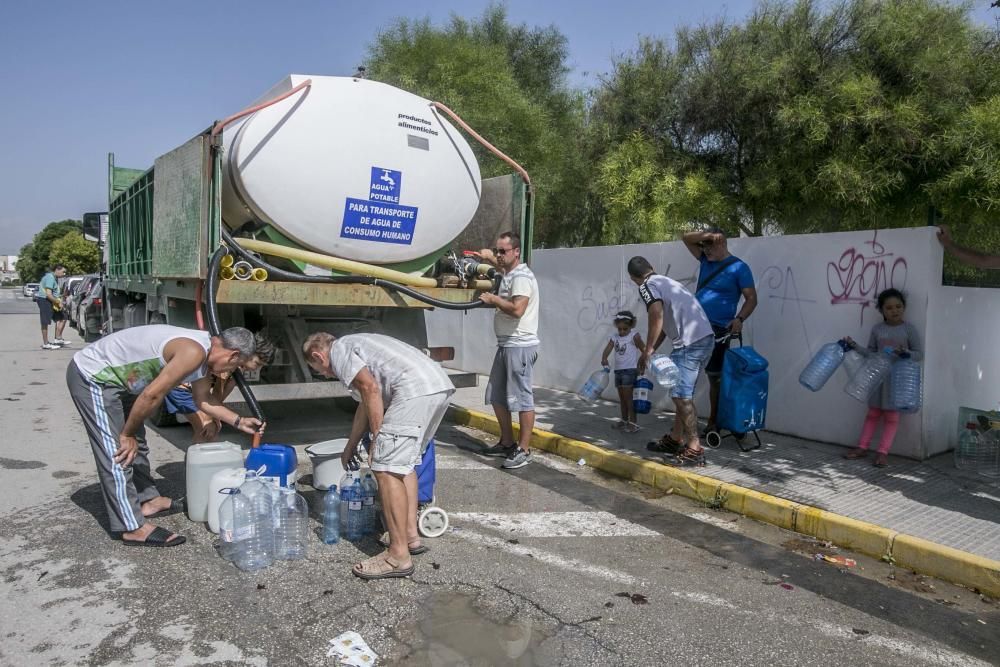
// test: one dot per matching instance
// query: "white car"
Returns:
(29, 290)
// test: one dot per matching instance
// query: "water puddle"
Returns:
(453, 631)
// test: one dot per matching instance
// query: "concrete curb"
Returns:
(905, 551)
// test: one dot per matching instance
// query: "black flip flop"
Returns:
(176, 507)
(158, 538)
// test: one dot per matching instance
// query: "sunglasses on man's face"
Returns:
(500, 252)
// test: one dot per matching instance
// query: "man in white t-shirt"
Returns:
(516, 326)
(675, 313)
(402, 397)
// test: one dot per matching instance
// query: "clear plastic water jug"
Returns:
(253, 521)
(869, 377)
(968, 450)
(291, 535)
(354, 510)
(823, 365)
(853, 361)
(905, 389)
(331, 516)
(641, 402)
(595, 385)
(228, 544)
(665, 371)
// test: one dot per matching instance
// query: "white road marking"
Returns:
(933, 654)
(557, 524)
(715, 521)
(546, 557)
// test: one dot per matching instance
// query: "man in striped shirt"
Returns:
(402, 396)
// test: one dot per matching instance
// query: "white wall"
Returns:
(812, 289)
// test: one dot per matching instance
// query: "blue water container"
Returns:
(823, 365)
(905, 386)
(279, 462)
(640, 396)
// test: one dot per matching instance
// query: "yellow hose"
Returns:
(329, 262)
(227, 261)
(227, 273)
(260, 275)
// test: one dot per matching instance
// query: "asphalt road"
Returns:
(552, 564)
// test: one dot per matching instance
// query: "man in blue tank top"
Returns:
(722, 281)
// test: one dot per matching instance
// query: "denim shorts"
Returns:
(626, 377)
(690, 360)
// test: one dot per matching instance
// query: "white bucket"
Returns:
(325, 459)
(229, 478)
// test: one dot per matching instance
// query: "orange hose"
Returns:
(219, 126)
(493, 149)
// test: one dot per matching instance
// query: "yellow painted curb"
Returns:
(905, 551)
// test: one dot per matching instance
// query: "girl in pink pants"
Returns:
(901, 337)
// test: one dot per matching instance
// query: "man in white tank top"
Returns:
(118, 382)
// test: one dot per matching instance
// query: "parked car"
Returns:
(75, 287)
(29, 290)
(88, 313)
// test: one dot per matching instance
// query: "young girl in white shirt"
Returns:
(626, 345)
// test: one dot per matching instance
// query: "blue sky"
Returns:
(139, 78)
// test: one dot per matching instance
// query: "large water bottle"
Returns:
(641, 402)
(967, 452)
(665, 371)
(346, 487)
(291, 535)
(853, 361)
(822, 366)
(869, 377)
(904, 386)
(253, 519)
(331, 516)
(595, 385)
(355, 512)
(370, 490)
(227, 527)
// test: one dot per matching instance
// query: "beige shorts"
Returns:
(407, 428)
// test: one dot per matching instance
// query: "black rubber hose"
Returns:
(351, 280)
(214, 329)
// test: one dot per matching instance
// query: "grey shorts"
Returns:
(408, 426)
(511, 378)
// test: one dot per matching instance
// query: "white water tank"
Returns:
(351, 168)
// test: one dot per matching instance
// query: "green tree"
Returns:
(34, 258)
(808, 116)
(76, 253)
(508, 83)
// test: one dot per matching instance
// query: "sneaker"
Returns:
(517, 459)
(50, 346)
(498, 450)
(60, 342)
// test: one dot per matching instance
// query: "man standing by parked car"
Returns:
(516, 326)
(50, 307)
(722, 281)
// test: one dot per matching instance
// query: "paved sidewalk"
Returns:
(927, 499)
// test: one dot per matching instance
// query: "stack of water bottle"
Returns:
(261, 521)
(350, 511)
(866, 374)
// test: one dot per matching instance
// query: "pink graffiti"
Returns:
(859, 275)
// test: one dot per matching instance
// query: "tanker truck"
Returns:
(331, 203)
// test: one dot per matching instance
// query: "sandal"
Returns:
(689, 458)
(380, 567)
(631, 427)
(176, 507)
(665, 445)
(414, 551)
(856, 453)
(160, 537)
(881, 461)
(620, 424)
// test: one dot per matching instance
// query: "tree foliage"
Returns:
(506, 81)
(76, 253)
(34, 259)
(806, 117)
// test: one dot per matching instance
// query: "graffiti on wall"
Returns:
(599, 304)
(858, 276)
(779, 284)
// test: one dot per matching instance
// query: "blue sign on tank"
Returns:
(380, 218)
